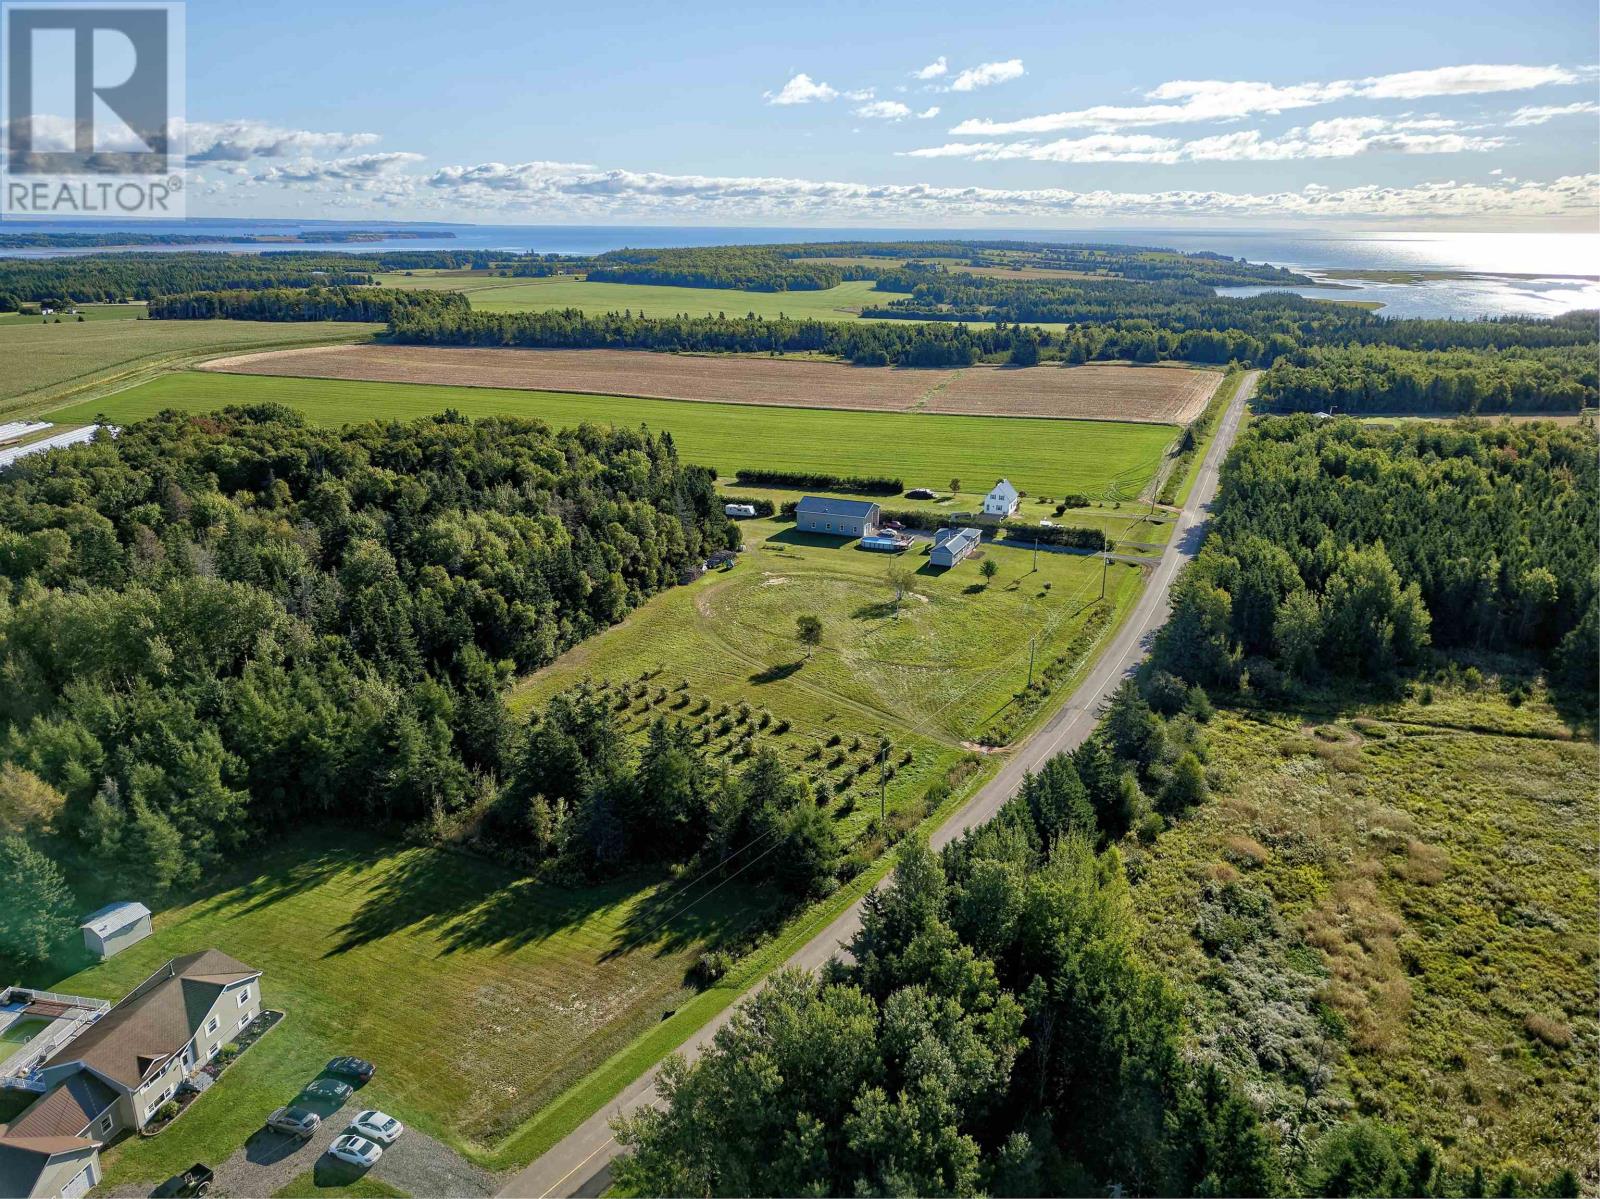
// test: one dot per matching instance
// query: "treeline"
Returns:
(818, 481)
(1345, 549)
(743, 268)
(576, 793)
(867, 344)
(217, 625)
(106, 278)
(307, 304)
(1368, 378)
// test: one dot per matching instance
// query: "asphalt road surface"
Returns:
(579, 1164)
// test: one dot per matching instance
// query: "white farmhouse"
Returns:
(1002, 501)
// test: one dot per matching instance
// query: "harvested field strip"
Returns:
(1039, 456)
(1168, 395)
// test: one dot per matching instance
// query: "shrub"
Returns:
(711, 965)
(1555, 1033)
(167, 1110)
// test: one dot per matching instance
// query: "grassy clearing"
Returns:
(1390, 909)
(89, 312)
(1041, 456)
(492, 294)
(481, 995)
(50, 364)
(306, 1186)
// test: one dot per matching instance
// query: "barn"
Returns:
(838, 518)
(115, 927)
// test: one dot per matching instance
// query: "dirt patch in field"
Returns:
(1165, 395)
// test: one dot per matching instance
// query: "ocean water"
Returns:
(1555, 272)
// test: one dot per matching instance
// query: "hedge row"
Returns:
(864, 484)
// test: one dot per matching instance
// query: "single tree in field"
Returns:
(901, 581)
(808, 631)
(955, 485)
(989, 569)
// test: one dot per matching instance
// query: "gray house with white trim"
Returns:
(952, 545)
(837, 518)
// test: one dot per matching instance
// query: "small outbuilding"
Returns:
(738, 509)
(838, 518)
(115, 927)
(952, 545)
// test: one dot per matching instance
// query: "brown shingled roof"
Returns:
(66, 1110)
(157, 1018)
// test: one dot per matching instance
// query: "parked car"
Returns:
(376, 1126)
(358, 1151)
(893, 524)
(196, 1180)
(330, 1090)
(353, 1067)
(294, 1121)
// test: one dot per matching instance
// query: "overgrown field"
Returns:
(50, 363)
(1391, 910)
(480, 994)
(1097, 458)
(493, 294)
(1163, 394)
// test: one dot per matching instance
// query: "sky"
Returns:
(1397, 114)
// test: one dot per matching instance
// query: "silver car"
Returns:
(357, 1151)
(294, 1121)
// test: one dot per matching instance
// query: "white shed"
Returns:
(115, 927)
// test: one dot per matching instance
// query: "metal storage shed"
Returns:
(115, 927)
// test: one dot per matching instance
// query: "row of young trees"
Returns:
(378, 304)
(1350, 549)
(217, 624)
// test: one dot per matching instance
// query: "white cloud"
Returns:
(360, 168)
(239, 141)
(1463, 81)
(1537, 115)
(1187, 101)
(987, 74)
(865, 93)
(1342, 137)
(927, 114)
(884, 110)
(933, 70)
(802, 89)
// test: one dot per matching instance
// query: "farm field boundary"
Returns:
(1158, 394)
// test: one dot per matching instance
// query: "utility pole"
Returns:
(883, 780)
(1033, 643)
(1036, 553)
(1105, 565)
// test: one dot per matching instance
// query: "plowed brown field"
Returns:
(1161, 394)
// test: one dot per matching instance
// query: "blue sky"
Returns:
(1464, 114)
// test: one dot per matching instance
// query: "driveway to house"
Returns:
(416, 1164)
(580, 1163)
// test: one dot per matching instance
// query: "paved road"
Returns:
(580, 1163)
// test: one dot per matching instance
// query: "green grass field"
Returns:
(1405, 892)
(491, 294)
(50, 364)
(481, 995)
(89, 312)
(1048, 457)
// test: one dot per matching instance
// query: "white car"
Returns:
(358, 1151)
(376, 1126)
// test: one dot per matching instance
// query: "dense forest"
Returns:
(1349, 549)
(307, 304)
(744, 268)
(1368, 378)
(216, 624)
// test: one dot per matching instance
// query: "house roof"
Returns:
(113, 917)
(822, 506)
(157, 1018)
(1006, 483)
(955, 539)
(66, 1110)
(23, 1159)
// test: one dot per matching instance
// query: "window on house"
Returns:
(213, 1024)
(244, 996)
(243, 1020)
(105, 1124)
(215, 1049)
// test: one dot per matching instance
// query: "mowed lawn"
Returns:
(479, 994)
(50, 362)
(489, 293)
(1047, 457)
